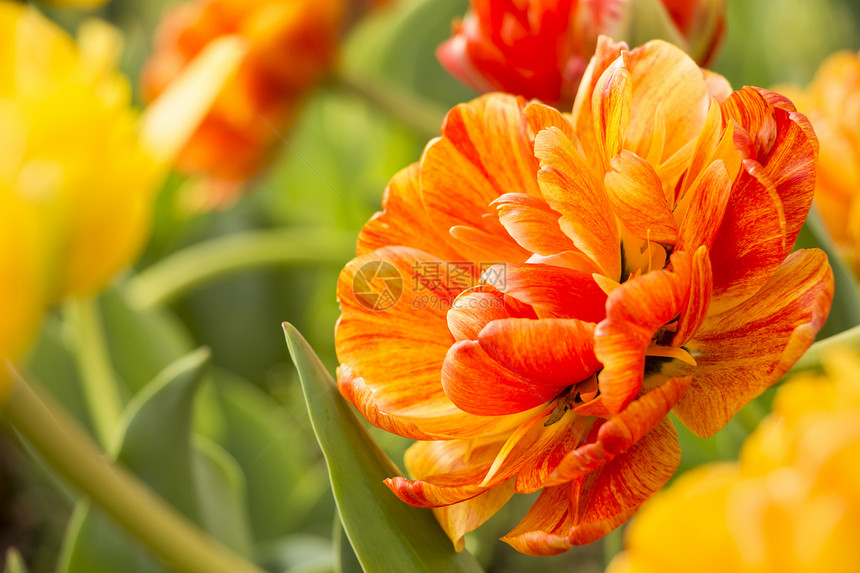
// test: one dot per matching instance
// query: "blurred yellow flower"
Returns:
(832, 103)
(78, 167)
(81, 4)
(791, 504)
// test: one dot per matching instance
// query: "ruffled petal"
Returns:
(403, 221)
(460, 518)
(485, 151)
(610, 105)
(554, 292)
(472, 312)
(634, 313)
(391, 358)
(569, 186)
(636, 194)
(707, 205)
(698, 303)
(621, 432)
(741, 352)
(532, 223)
(544, 529)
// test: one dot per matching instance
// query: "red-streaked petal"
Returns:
(472, 312)
(542, 116)
(785, 146)
(741, 352)
(636, 194)
(532, 223)
(621, 432)
(750, 243)
(461, 518)
(634, 312)
(606, 498)
(553, 352)
(554, 292)
(391, 359)
(699, 300)
(568, 185)
(403, 221)
(544, 529)
(706, 207)
(480, 385)
(610, 105)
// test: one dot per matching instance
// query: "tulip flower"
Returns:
(830, 102)
(78, 168)
(542, 289)
(790, 504)
(292, 47)
(540, 49)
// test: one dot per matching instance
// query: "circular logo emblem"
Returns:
(377, 285)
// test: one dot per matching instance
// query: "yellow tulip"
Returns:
(79, 168)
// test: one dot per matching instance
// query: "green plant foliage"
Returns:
(386, 534)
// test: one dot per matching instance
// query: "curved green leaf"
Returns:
(387, 534)
(14, 562)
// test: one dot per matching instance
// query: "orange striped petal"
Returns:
(699, 301)
(664, 75)
(541, 116)
(785, 146)
(472, 312)
(741, 352)
(532, 223)
(554, 292)
(460, 518)
(587, 508)
(569, 186)
(636, 194)
(392, 358)
(707, 206)
(744, 261)
(485, 151)
(403, 221)
(611, 106)
(634, 312)
(621, 432)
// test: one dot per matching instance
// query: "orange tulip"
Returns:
(292, 46)
(644, 247)
(831, 102)
(540, 48)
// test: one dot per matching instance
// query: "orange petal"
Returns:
(699, 300)
(392, 357)
(610, 105)
(485, 151)
(569, 186)
(741, 352)
(663, 74)
(554, 292)
(750, 243)
(621, 432)
(634, 313)
(704, 208)
(532, 223)
(480, 385)
(403, 221)
(542, 116)
(460, 518)
(544, 529)
(785, 146)
(606, 498)
(636, 194)
(553, 352)
(472, 312)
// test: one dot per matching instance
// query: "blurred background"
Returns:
(326, 180)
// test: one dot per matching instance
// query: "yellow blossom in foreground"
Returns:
(832, 103)
(791, 504)
(78, 167)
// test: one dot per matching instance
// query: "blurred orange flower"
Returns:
(292, 46)
(832, 103)
(792, 503)
(540, 48)
(643, 247)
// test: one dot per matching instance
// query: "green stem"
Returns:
(184, 270)
(423, 116)
(71, 454)
(811, 360)
(98, 379)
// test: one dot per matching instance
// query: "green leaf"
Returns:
(14, 562)
(387, 534)
(155, 443)
(347, 561)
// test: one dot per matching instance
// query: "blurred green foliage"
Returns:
(245, 433)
